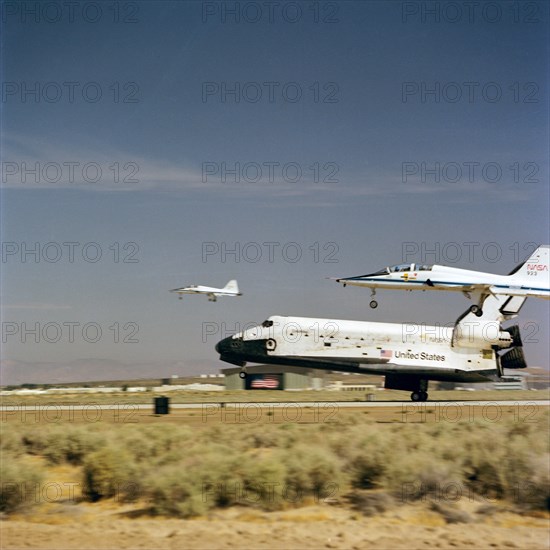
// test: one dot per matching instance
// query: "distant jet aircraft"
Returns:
(230, 289)
(529, 279)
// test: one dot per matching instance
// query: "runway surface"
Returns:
(279, 404)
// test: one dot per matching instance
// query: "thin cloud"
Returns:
(122, 171)
(36, 306)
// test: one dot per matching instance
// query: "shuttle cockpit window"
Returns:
(267, 323)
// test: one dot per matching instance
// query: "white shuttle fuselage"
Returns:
(408, 354)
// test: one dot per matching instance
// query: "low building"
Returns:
(274, 377)
(510, 383)
(339, 385)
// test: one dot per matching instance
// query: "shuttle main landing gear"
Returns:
(242, 374)
(404, 382)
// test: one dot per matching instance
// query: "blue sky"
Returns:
(362, 142)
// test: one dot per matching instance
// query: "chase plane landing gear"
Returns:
(478, 297)
(373, 303)
(476, 310)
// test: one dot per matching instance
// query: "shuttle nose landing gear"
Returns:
(419, 396)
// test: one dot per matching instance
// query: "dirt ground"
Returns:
(251, 413)
(85, 526)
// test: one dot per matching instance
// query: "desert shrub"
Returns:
(532, 492)
(484, 470)
(206, 477)
(215, 476)
(263, 483)
(172, 491)
(154, 443)
(151, 448)
(516, 462)
(21, 483)
(367, 469)
(269, 437)
(11, 441)
(217, 469)
(368, 460)
(345, 442)
(312, 472)
(186, 471)
(109, 472)
(450, 512)
(367, 456)
(72, 444)
(61, 442)
(522, 429)
(289, 435)
(370, 503)
(280, 435)
(35, 440)
(415, 475)
(230, 435)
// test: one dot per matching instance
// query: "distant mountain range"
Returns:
(83, 370)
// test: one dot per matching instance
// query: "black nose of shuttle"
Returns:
(221, 346)
(228, 346)
(232, 351)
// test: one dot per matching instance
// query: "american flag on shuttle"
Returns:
(386, 353)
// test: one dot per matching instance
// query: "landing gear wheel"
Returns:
(476, 310)
(419, 396)
(242, 374)
(373, 304)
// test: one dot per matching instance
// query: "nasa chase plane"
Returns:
(230, 289)
(529, 279)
